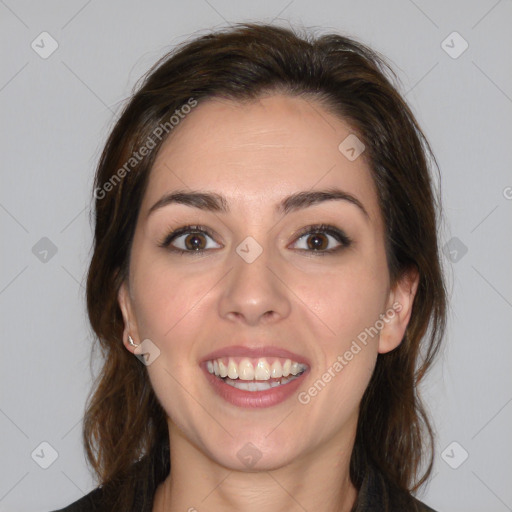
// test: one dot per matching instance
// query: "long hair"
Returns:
(125, 430)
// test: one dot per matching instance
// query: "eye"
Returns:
(193, 240)
(317, 237)
(188, 239)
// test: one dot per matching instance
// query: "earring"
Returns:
(130, 341)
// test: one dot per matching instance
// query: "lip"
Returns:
(268, 351)
(254, 399)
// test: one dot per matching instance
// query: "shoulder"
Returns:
(110, 497)
(377, 493)
(134, 491)
(420, 506)
(89, 502)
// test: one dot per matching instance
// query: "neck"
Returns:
(317, 481)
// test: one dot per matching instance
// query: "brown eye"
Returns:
(188, 239)
(194, 242)
(318, 238)
(317, 241)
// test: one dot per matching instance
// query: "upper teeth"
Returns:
(246, 370)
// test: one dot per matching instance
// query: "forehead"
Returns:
(257, 152)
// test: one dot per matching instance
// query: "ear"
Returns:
(398, 311)
(130, 323)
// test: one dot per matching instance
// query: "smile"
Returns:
(255, 375)
(261, 369)
(254, 383)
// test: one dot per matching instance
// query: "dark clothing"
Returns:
(375, 495)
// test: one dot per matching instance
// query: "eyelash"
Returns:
(339, 235)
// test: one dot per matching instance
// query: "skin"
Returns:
(188, 305)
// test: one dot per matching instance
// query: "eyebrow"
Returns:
(213, 202)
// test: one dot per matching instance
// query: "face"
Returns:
(265, 280)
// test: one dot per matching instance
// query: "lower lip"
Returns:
(253, 399)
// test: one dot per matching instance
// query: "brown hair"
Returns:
(124, 420)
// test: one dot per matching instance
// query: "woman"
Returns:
(265, 284)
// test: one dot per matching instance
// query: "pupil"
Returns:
(193, 242)
(317, 242)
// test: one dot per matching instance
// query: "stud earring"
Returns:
(130, 341)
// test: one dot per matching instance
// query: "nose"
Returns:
(255, 291)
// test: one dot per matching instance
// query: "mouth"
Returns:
(245, 380)
(255, 375)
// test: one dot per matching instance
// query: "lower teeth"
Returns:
(252, 385)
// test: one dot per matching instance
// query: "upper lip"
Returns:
(253, 352)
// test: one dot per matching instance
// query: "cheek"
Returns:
(165, 295)
(346, 301)
(349, 305)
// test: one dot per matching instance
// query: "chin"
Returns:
(255, 453)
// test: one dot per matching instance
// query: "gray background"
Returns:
(56, 114)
